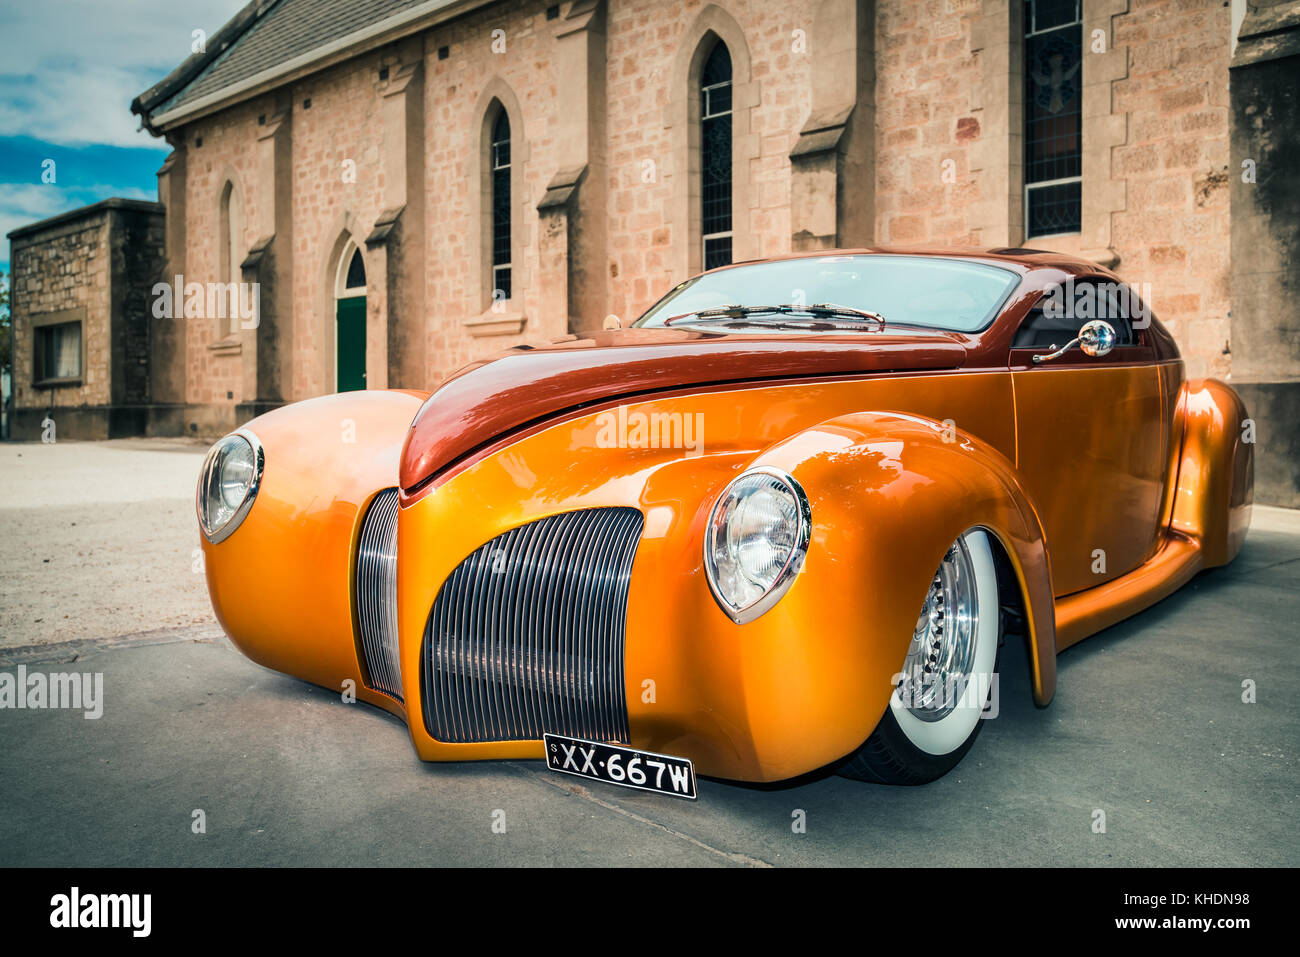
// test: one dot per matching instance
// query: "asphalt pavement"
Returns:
(1149, 735)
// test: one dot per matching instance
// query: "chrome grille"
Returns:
(526, 635)
(377, 595)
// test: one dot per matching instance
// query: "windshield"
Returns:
(950, 294)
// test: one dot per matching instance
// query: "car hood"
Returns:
(527, 385)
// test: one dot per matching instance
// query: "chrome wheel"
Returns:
(941, 658)
(948, 673)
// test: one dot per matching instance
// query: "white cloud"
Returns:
(88, 106)
(72, 67)
(24, 203)
(69, 72)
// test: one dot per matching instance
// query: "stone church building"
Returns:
(414, 184)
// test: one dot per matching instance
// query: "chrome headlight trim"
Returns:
(794, 563)
(227, 528)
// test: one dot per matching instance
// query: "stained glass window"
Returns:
(1053, 116)
(500, 157)
(715, 156)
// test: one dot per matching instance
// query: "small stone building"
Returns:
(80, 308)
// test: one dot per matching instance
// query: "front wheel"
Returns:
(947, 677)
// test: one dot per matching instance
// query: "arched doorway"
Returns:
(350, 321)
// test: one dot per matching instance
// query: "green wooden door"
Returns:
(350, 342)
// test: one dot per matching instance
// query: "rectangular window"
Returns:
(57, 352)
(1053, 116)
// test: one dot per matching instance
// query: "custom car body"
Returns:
(748, 536)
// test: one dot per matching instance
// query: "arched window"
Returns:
(499, 157)
(715, 156)
(351, 280)
(229, 236)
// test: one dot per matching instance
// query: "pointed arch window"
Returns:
(715, 157)
(352, 273)
(230, 231)
(499, 157)
(355, 277)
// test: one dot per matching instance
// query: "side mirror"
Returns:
(1096, 338)
(612, 322)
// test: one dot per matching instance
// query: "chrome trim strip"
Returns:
(527, 634)
(376, 595)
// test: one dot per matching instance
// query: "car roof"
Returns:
(1021, 259)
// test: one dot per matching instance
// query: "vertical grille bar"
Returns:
(527, 633)
(376, 589)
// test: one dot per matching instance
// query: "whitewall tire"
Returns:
(947, 676)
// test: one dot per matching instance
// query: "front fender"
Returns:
(282, 583)
(890, 493)
(805, 683)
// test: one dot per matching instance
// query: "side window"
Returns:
(1118, 315)
(1043, 329)
(1055, 319)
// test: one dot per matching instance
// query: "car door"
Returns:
(1092, 436)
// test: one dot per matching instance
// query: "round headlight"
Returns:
(228, 484)
(756, 541)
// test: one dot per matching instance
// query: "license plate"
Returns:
(625, 767)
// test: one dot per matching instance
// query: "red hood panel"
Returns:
(491, 398)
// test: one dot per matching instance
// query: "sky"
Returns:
(69, 70)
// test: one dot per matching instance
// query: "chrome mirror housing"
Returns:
(1095, 338)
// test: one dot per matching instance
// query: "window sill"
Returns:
(229, 346)
(57, 383)
(489, 323)
(1034, 239)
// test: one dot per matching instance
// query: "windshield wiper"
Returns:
(818, 310)
(844, 312)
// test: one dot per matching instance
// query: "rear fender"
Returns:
(1216, 470)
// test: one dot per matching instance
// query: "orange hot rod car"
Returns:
(782, 521)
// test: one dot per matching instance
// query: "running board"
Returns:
(1088, 612)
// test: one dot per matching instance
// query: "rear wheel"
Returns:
(947, 677)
